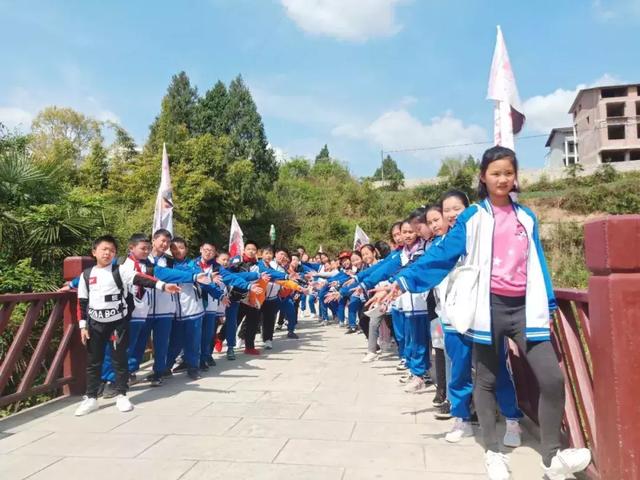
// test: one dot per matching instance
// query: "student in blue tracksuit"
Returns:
(137, 260)
(514, 299)
(162, 310)
(237, 285)
(186, 330)
(458, 348)
(397, 321)
(212, 306)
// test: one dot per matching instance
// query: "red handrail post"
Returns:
(75, 362)
(612, 251)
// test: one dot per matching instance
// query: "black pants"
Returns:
(441, 373)
(248, 319)
(281, 318)
(363, 322)
(268, 312)
(509, 320)
(99, 334)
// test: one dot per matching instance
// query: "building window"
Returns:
(615, 132)
(613, 92)
(571, 146)
(613, 156)
(615, 110)
(634, 154)
(638, 132)
(570, 160)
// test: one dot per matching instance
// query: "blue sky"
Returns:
(359, 75)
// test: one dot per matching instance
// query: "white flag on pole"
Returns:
(507, 112)
(163, 213)
(236, 240)
(360, 238)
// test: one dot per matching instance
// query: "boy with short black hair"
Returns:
(103, 314)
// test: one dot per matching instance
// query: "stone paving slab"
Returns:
(309, 409)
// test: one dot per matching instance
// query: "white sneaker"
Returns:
(415, 385)
(460, 430)
(240, 344)
(566, 462)
(370, 357)
(268, 345)
(123, 403)
(512, 434)
(88, 405)
(406, 378)
(402, 366)
(497, 465)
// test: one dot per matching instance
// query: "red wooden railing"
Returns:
(55, 377)
(571, 337)
(63, 366)
(595, 334)
(596, 337)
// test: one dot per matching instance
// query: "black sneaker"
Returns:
(193, 373)
(350, 330)
(167, 373)
(427, 379)
(292, 335)
(155, 380)
(279, 327)
(203, 366)
(109, 391)
(444, 412)
(181, 367)
(439, 399)
(211, 362)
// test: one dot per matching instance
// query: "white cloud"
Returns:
(15, 117)
(352, 20)
(279, 153)
(348, 130)
(20, 107)
(610, 10)
(398, 129)
(545, 112)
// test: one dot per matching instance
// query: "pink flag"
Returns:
(360, 238)
(507, 113)
(163, 213)
(236, 241)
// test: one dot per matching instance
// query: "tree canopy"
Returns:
(389, 173)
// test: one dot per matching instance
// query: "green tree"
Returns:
(390, 173)
(297, 167)
(62, 136)
(451, 166)
(324, 156)
(246, 132)
(210, 112)
(94, 172)
(175, 121)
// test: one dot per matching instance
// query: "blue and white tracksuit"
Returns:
(408, 313)
(477, 220)
(186, 330)
(459, 349)
(143, 298)
(162, 311)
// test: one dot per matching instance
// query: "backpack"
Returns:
(117, 278)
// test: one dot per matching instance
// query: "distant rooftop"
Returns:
(581, 92)
(555, 131)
